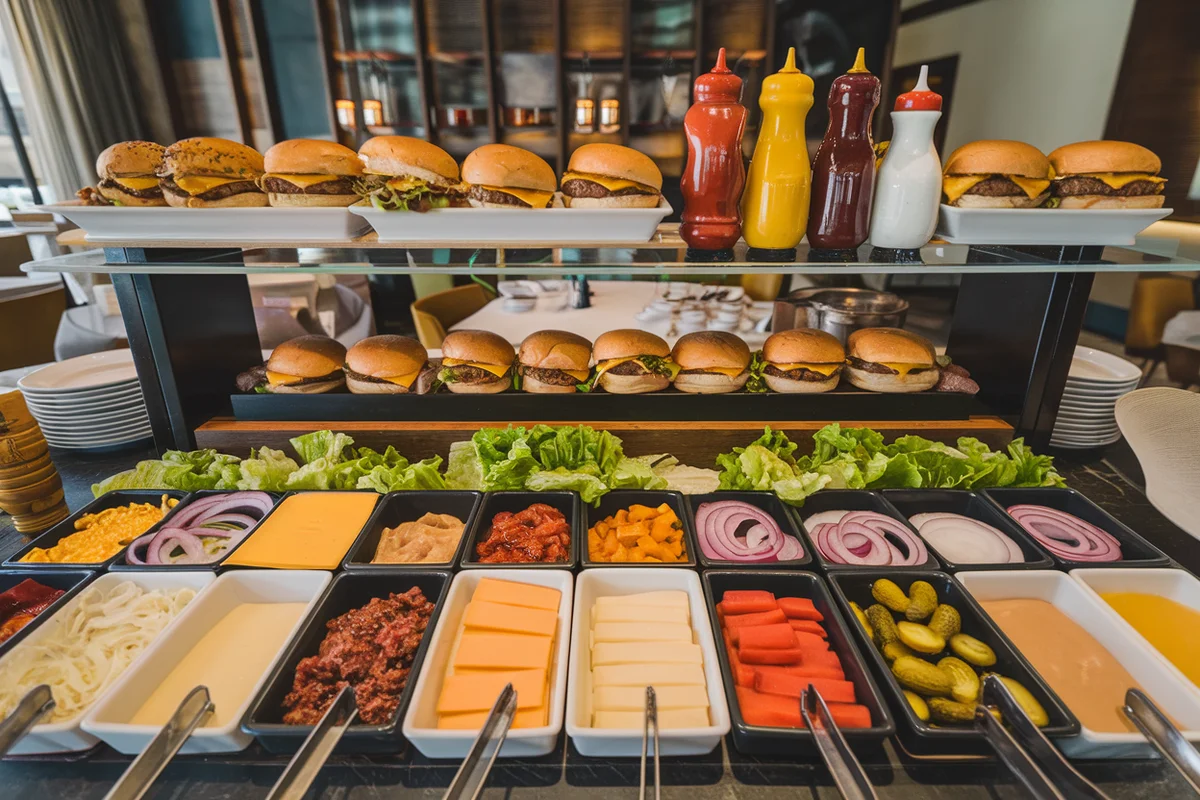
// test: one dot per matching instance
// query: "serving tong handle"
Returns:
(1163, 734)
(140, 774)
(1026, 750)
(848, 774)
(650, 722)
(302, 770)
(37, 703)
(473, 773)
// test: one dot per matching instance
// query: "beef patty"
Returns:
(554, 377)
(996, 186)
(280, 186)
(799, 374)
(152, 193)
(483, 195)
(465, 373)
(880, 369)
(358, 376)
(219, 193)
(580, 187)
(1080, 184)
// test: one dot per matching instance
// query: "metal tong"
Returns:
(140, 774)
(1161, 733)
(650, 721)
(848, 774)
(1035, 762)
(473, 773)
(302, 770)
(33, 706)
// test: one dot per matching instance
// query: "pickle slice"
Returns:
(1025, 699)
(862, 619)
(972, 651)
(920, 638)
(919, 706)
(921, 677)
(893, 650)
(950, 711)
(966, 683)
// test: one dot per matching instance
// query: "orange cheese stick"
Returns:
(771, 617)
(834, 691)
(807, 641)
(779, 636)
(808, 626)
(747, 601)
(799, 608)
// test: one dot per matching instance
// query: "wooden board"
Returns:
(693, 442)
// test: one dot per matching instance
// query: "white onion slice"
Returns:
(963, 540)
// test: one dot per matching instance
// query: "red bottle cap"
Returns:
(720, 85)
(920, 98)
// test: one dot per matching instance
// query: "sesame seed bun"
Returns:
(505, 166)
(998, 157)
(312, 157)
(405, 155)
(136, 159)
(212, 157)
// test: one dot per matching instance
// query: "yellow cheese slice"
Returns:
(137, 184)
(1119, 180)
(824, 369)
(604, 366)
(955, 186)
(496, 369)
(199, 184)
(533, 197)
(612, 184)
(1030, 186)
(403, 183)
(904, 369)
(403, 380)
(732, 372)
(281, 379)
(302, 181)
(580, 375)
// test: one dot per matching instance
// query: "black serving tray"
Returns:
(852, 500)
(765, 501)
(921, 738)
(120, 497)
(119, 564)
(349, 590)
(616, 500)
(969, 504)
(845, 403)
(1135, 551)
(495, 502)
(71, 581)
(761, 740)
(398, 507)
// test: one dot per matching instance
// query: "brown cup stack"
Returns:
(30, 489)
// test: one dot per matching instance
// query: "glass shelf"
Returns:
(648, 260)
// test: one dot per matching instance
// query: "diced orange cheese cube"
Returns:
(502, 651)
(485, 615)
(473, 720)
(464, 692)
(512, 593)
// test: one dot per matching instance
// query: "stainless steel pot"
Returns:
(839, 311)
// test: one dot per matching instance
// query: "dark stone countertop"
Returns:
(1110, 481)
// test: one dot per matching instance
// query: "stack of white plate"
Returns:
(88, 402)
(1087, 413)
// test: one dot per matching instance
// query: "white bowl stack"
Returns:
(89, 402)
(1087, 413)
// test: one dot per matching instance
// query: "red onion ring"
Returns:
(867, 538)
(1066, 535)
(224, 517)
(963, 540)
(717, 526)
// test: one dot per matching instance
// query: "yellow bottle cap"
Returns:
(860, 62)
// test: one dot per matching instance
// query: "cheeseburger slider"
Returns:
(1106, 175)
(388, 365)
(128, 176)
(630, 361)
(205, 172)
(311, 172)
(996, 174)
(803, 361)
(407, 174)
(711, 362)
(891, 360)
(503, 176)
(476, 362)
(554, 362)
(304, 365)
(611, 176)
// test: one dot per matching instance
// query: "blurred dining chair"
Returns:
(434, 314)
(14, 251)
(1156, 299)
(28, 325)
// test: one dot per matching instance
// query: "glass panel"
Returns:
(382, 25)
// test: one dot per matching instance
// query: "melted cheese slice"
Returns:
(612, 184)
(732, 372)
(604, 366)
(403, 380)
(824, 369)
(580, 375)
(137, 184)
(1031, 186)
(1119, 180)
(403, 183)
(533, 197)
(302, 181)
(904, 369)
(198, 184)
(495, 369)
(281, 379)
(955, 186)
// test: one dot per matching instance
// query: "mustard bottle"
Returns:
(775, 203)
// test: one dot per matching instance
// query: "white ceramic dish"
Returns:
(121, 393)
(67, 413)
(108, 719)
(226, 224)
(616, 743)
(1163, 686)
(94, 371)
(1162, 425)
(420, 721)
(1097, 366)
(1174, 584)
(68, 735)
(1057, 226)
(93, 423)
(517, 224)
(84, 444)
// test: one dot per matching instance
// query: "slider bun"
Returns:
(295, 200)
(555, 350)
(615, 161)
(357, 386)
(130, 160)
(1109, 201)
(708, 349)
(309, 356)
(252, 199)
(491, 387)
(505, 166)
(803, 345)
(614, 201)
(1000, 201)
(633, 384)
(405, 155)
(310, 388)
(709, 382)
(627, 342)
(1104, 156)
(880, 345)
(210, 156)
(783, 385)
(312, 157)
(998, 157)
(386, 356)
(126, 199)
(484, 347)
(893, 384)
(531, 384)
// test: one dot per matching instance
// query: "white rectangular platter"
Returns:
(104, 223)
(1054, 226)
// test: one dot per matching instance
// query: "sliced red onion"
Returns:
(1066, 535)
(963, 540)
(718, 525)
(224, 518)
(865, 538)
(254, 504)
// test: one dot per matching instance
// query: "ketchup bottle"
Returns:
(714, 176)
(844, 169)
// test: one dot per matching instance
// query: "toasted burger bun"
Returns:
(386, 356)
(633, 384)
(615, 161)
(505, 166)
(892, 384)
(136, 159)
(778, 383)
(1002, 201)
(627, 342)
(891, 345)
(210, 156)
(1109, 201)
(803, 345)
(405, 155)
(484, 347)
(708, 349)
(533, 385)
(488, 387)
(312, 157)
(295, 200)
(240, 200)
(998, 157)
(555, 350)
(1104, 156)
(308, 356)
(709, 382)
(126, 199)
(618, 201)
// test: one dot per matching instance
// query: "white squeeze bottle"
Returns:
(909, 185)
